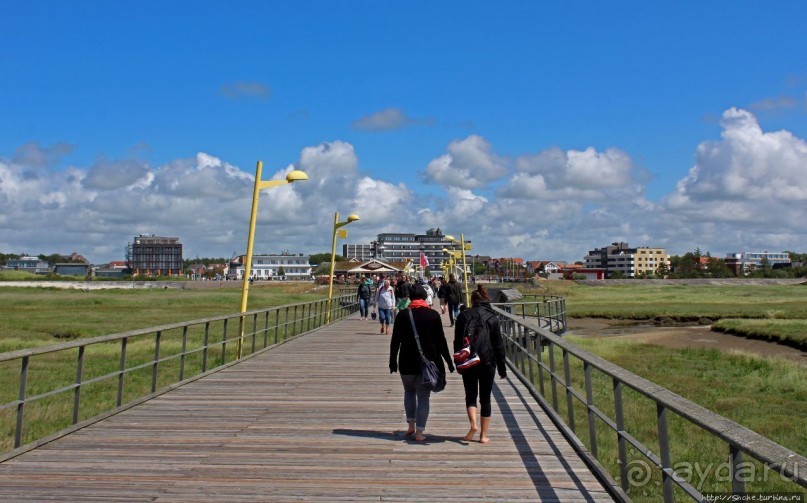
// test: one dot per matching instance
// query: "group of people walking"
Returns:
(405, 349)
(394, 293)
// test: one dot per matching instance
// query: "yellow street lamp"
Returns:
(293, 176)
(343, 234)
(463, 246)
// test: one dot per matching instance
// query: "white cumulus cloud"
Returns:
(468, 164)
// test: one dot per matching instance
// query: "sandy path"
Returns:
(681, 337)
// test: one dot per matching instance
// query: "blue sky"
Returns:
(538, 129)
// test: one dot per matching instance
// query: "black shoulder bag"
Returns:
(430, 376)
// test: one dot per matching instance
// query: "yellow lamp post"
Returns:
(293, 176)
(463, 246)
(336, 225)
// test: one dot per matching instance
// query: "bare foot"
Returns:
(471, 434)
(420, 437)
(409, 433)
(484, 440)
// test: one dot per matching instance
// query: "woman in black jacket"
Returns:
(404, 357)
(489, 345)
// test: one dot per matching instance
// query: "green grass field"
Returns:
(38, 316)
(774, 312)
(768, 396)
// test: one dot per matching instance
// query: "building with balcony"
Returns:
(744, 262)
(269, 267)
(405, 247)
(631, 262)
(152, 255)
(360, 252)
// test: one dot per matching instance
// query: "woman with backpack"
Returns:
(364, 294)
(480, 326)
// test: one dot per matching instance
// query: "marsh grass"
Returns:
(791, 332)
(766, 395)
(643, 301)
(37, 317)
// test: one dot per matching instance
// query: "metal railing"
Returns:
(533, 351)
(549, 311)
(64, 387)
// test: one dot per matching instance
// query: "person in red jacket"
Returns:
(404, 357)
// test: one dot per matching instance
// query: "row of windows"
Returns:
(281, 262)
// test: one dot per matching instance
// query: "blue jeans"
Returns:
(453, 311)
(363, 305)
(416, 400)
(385, 316)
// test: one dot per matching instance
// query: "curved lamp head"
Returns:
(296, 176)
(450, 238)
(446, 250)
(352, 217)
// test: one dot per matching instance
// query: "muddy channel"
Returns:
(696, 336)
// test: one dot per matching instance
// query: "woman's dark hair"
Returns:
(418, 293)
(480, 295)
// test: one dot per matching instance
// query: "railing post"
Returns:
(563, 307)
(552, 380)
(121, 371)
(530, 362)
(539, 354)
(736, 460)
(294, 331)
(277, 324)
(204, 350)
(21, 401)
(254, 330)
(156, 363)
(620, 427)
(224, 342)
(592, 425)
(525, 348)
(664, 448)
(286, 326)
(182, 353)
(567, 373)
(77, 390)
(266, 330)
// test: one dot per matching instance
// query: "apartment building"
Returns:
(747, 261)
(402, 247)
(269, 267)
(631, 262)
(152, 255)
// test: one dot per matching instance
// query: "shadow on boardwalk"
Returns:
(316, 419)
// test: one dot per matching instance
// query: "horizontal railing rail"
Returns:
(64, 386)
(532, 352)
(548, 310)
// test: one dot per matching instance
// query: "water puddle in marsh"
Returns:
(696, 336)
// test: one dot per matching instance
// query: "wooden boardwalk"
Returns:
(316, 419)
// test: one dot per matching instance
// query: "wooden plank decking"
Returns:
(316, 419)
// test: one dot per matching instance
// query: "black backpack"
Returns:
(477, 332)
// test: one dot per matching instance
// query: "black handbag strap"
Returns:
(415, 330)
